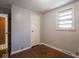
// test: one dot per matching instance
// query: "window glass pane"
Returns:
(65, 22)
(65, 13)
(65, 26)
(65, 17)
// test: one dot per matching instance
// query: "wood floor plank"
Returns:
(40, 51)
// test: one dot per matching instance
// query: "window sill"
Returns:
(66, 30)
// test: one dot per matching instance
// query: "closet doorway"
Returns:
(3, 35)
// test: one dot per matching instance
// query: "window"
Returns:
(65, 19)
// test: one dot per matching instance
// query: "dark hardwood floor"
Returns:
(40, 51)
(2, 52)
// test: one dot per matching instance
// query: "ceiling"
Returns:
(37, 5)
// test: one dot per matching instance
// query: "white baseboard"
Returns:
(61, 50)
(19, 50)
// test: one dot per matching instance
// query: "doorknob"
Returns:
(32, 31)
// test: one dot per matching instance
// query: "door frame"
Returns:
(5, 46)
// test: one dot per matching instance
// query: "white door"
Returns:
(35, 29)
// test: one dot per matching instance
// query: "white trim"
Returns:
(20, 50)
(61, 50)
(73, 19)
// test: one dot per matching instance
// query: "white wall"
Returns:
(21, 28)
(68, 40)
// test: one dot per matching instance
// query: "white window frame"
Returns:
(73, 20)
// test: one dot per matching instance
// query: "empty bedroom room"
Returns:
(39, 29)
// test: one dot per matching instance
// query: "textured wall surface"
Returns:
(68, 40)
